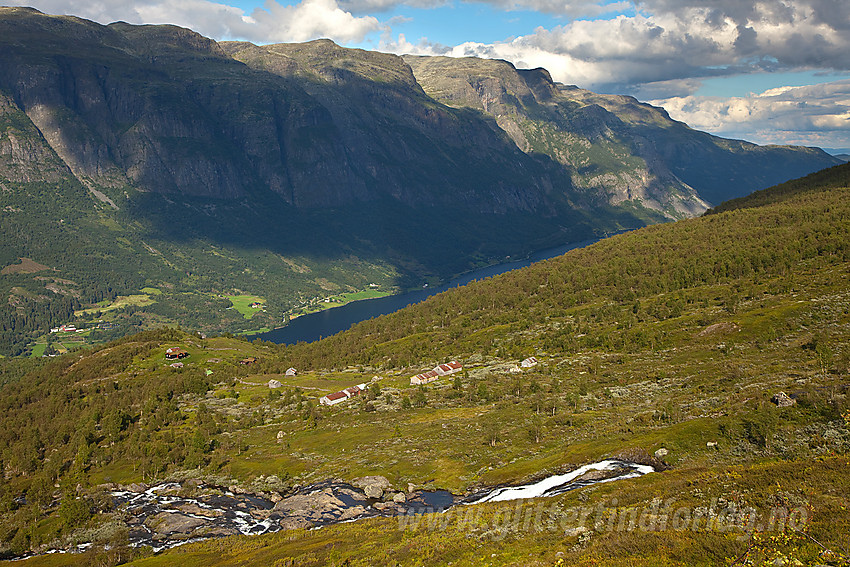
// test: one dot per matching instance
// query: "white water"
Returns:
(549, 486)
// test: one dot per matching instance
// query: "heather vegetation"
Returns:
(677, 337)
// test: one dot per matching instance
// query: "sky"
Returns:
(767, 71)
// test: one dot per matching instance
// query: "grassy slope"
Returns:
(632, 357)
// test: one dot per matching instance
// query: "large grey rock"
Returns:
(332, 504)
(373, 486)
(783, 400)
(169, 523)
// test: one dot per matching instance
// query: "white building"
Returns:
(342, 395)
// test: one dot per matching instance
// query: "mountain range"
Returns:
(139, 157)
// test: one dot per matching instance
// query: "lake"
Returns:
(320, 324)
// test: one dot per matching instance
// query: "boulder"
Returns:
(783, 400)
(168, 523)
(661, 453)
(399, 498)
(332, 504)
(373, 486)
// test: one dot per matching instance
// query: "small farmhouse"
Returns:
(291, 372)
(175, 353)
(274, 384)
(431, 375)
(424, 378)
(342, 395)
(528, 362)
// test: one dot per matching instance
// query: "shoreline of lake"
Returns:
(318, 325)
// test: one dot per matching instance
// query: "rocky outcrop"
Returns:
(170, 523)
(335, 503)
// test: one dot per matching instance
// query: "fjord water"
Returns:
(315, 326)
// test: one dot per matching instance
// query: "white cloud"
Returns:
(368, 6)
(570, 8)
(309, 19)
(816, 115)
(667, 42)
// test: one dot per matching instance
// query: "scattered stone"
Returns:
(661, 453)
(783, 400)
(280, 435)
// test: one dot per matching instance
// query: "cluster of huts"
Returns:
(175, 353)
(436, 372)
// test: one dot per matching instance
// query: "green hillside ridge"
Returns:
(674, 336)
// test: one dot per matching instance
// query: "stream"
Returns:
(171, 514)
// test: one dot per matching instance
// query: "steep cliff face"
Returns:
(163, 109)
(613, 146)
(166, 110)
(395, 142)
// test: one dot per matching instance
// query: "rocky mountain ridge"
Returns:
(163, 109)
